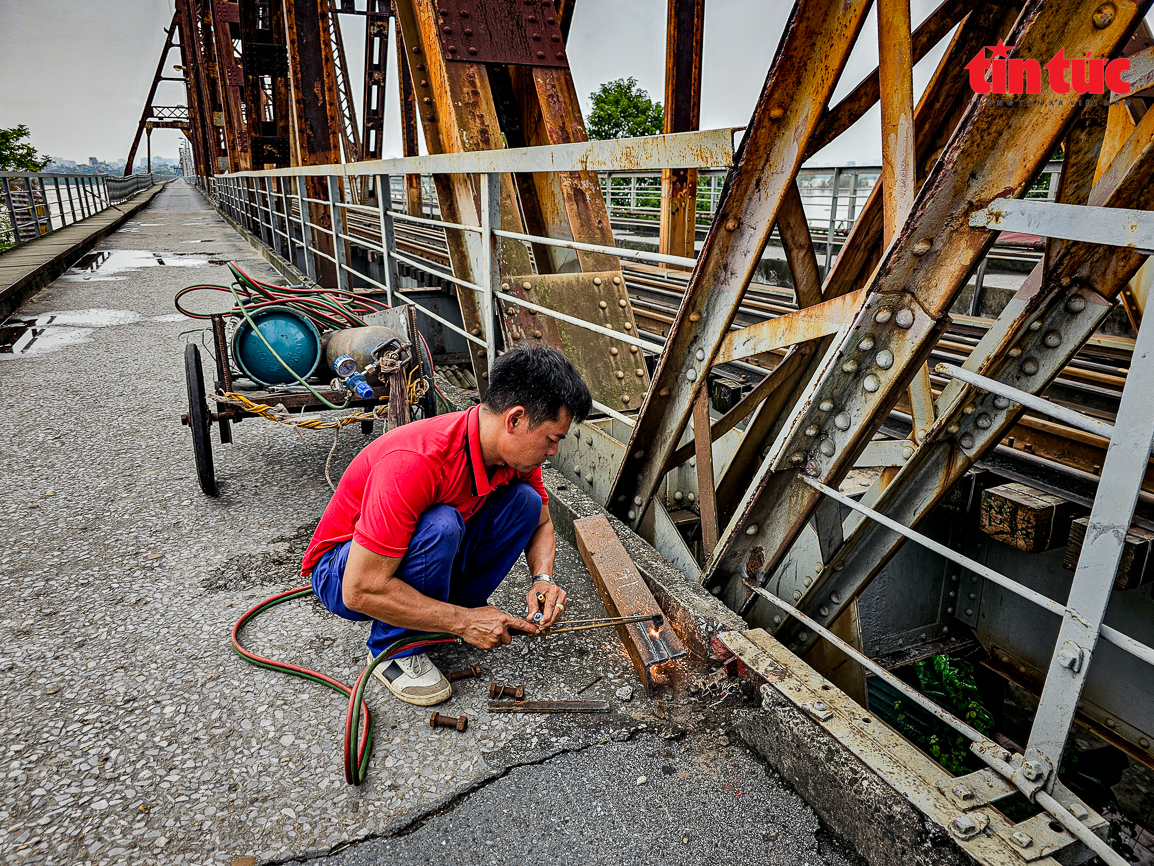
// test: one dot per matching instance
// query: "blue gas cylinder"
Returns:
(292, 336)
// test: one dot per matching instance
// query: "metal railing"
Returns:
(276, 206)
(32, 204)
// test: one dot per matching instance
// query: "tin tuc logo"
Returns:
(1001, 74)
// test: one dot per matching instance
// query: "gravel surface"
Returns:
(133, 734)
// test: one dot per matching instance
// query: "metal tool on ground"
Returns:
(589, 685)
(548, 706)
(473, 672)
(461, 723)
(499, 691)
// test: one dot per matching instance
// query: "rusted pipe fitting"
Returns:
(497, 691)
(461, 723)
(468, 673)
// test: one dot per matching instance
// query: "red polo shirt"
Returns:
(396, 478)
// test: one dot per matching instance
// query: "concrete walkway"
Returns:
(33, 265)
(132, 733)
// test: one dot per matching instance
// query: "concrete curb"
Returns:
(12, 296)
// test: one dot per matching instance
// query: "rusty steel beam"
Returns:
(198, 57)
(146, 113)
(409, 145)
(941, 106)
(624, 592)
(797, 242)
(997, 149)
(376, 77)
(796, 91)
(684, 32)
(224, 16)
(316, 113)
(265, 55)
(862, 98)
(457, 114)
(198, 113)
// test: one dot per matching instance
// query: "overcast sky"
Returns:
(76, 72)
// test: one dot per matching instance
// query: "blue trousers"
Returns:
(449, 559)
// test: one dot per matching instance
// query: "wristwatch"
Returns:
(548, 578)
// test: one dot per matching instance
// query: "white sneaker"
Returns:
(414, 679)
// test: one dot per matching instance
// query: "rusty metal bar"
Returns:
(624, 593)
(706, 494)
(791, 103)
(684, 32)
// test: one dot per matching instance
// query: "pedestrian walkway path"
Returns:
(33, 265)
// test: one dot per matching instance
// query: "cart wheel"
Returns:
(199, 420)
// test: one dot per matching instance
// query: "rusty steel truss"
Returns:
(872, 362)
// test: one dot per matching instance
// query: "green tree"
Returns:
(18, 155)
(621, 109)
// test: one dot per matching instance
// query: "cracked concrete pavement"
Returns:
(132, 733)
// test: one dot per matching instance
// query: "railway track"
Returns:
(1092, 382)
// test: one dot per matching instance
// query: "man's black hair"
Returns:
(541, 379)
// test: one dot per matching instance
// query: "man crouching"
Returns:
(429, 519)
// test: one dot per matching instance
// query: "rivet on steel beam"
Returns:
(628, 326)
(826, 447)
(776, 113)
(797, 457)
(983, 421)
(613, 350)
(632, 514)
(596, 281)
(637, 500)
(751, 529)
(1014, 352)
(825, 405)
(1110, 723)
(700, 354)
(969, 409)
(871, 383)
(633, 349)
(637, 455)
(849, 366)
(526, 285)
(691, 375)
(966, 440)
(1052, 339)
(678, 496)
(812, 430)
(691, 497)
(884, 359)
(731, 225)
(866, 344)
(621, 302)
(1030, 366)
(619, 374)
(904, 319)
(922, 247)
(796, 594)
(807, 581)
(537, 334)
(472, 50)
(639, 372)
(452, 49)
(883, 316)
(1034, 326)
(823, 611)
(624, 398)
(540, 55)
(1001, 402)
(695, 317)
(476, 332)
(1075, 304)
(1104, 15)
(603, 305)
(664, 392)
(617, 281)
(1143, 742)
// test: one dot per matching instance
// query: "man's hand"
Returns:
(554, 604)
(487, 627)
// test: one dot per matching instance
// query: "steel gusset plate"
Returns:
(969, 425)
(615, 371)
(516, 32)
